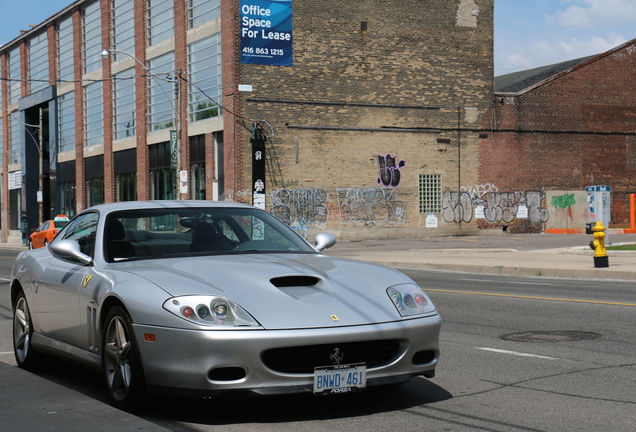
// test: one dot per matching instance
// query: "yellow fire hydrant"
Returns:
(598, 245)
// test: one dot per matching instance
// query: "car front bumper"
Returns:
(208, 362)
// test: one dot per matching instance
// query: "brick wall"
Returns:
(400, 88)
(571, 132)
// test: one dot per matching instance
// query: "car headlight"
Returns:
(409, 299)
(210, 311)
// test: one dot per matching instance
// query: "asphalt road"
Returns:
(568, 366)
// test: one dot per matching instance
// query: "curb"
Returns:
(592, 273)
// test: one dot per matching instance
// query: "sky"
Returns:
(528, 33)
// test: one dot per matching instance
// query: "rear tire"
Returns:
(25, 356)
(121, 362)
(30, 244)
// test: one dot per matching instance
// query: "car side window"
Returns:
(83, 230)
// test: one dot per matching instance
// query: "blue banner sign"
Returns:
(266, 32)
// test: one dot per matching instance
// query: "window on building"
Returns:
(94, 180)
(125, 168)
(160, 20)
(66, 177)
(204, 69)
(65, 58)
(161, 92)
(123, 22)
(92, 34)
(38, 48)
(93, 114)
(197, 167)
(430, 192)
(94, 189)
(124, 104)
(162, 175)
(15, 138)
(66, 122)
(15, 78)
(202, 11)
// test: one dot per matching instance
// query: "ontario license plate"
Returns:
(340, 378)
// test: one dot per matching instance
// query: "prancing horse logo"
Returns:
(336, 356)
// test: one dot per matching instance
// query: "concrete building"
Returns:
(352, 117)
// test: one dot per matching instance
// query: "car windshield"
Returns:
(59, 224)
(160, 233)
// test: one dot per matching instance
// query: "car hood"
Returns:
(283, 291)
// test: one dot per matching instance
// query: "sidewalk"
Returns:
(29, 402)
(519, 255)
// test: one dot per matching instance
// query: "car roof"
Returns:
(132, 205)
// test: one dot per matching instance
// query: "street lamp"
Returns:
(174, 138)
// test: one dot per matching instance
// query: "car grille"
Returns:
(303, 359)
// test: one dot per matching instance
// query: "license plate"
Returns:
(340, 378)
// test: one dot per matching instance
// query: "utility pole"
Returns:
(181, 175)
(41, 156)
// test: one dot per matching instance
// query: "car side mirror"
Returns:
(70, 250)
(325, 240)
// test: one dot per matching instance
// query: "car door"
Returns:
(38, 238)
(60, 283)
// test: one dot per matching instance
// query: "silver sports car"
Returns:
(200, 298)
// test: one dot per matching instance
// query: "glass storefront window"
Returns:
(65, 59)
(204, 69)
(93, 114)
(124, 104)
(92, 42)
(160, 20)
(123, 22)
(38, 62)
(161, 93)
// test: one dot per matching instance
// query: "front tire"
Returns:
(121, 362)
(25, 356)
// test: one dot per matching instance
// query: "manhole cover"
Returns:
(551, 336)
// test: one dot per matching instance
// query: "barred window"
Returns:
(123, 21)
(202, 11)
(15, 83)
(124, 104)
(160, 21)
(93, 114)
(65, 58)
(66, 122)
(430, 192)
(204, 69)
(92, 34)
(39, 62)
(161, 93)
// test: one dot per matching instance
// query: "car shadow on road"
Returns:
(165, 410)
(286, 408)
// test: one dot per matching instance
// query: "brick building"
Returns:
(554, 131)
(354, 117)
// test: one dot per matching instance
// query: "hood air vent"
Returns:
(294, 281)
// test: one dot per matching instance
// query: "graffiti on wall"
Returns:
(300, 205)
(370, 206)
(390, 173)
(498, 207)
(564, 201)
(302, 208)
